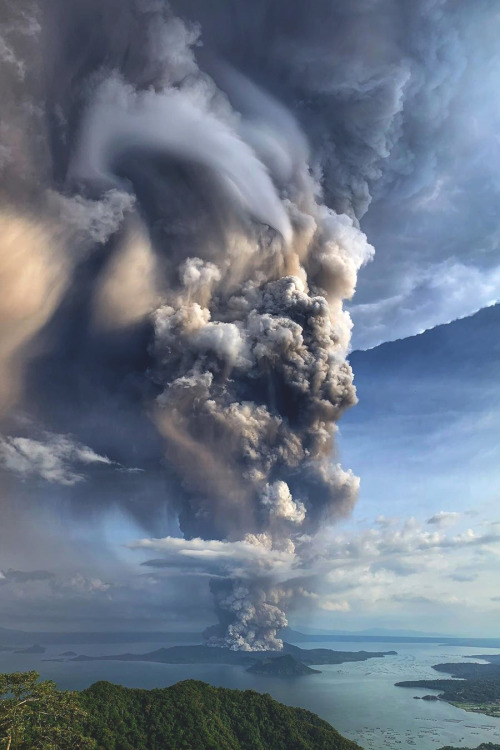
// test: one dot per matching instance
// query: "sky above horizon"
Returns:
(150, 269)
(420, 551)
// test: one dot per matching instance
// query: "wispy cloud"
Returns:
(56, 458)
(248, 558)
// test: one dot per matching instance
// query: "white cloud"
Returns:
(393, 564)
(55, 459)
(332, 605)
(251, 557)
(426, 297)
(399, 566)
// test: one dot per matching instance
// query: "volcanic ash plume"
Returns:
(235, 330)
(250, 353)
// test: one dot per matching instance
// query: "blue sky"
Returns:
(424, 440)
(427, 416)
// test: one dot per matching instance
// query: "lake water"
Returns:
(359, 699)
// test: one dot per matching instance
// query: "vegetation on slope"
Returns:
(36, 716)
(188, 716)
(196, 716)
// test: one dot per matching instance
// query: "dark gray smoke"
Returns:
(192, 180)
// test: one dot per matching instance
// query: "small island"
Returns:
(426, 697)
(281, 666)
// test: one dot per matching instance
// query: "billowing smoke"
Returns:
(204, 168)
(249, 346)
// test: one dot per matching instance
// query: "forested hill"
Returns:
(192, 715)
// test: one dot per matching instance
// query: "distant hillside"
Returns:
(194, 716)
(299, 637)
(304, 633)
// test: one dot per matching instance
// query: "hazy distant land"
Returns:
(10, 637)
(35, 649)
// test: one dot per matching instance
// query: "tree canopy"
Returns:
(190, 715)
(36, 715)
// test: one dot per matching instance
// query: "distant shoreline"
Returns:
(475, 687)
(20, 638)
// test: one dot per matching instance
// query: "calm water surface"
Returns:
(359, 699)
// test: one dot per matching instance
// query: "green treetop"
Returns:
(36, 716)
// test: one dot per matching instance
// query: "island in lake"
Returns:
(281, 666)
(295, 665)
(475, 687)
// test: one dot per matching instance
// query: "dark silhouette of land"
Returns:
(296, 662)
(281, 666)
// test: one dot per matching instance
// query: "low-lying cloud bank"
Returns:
(393, 572)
